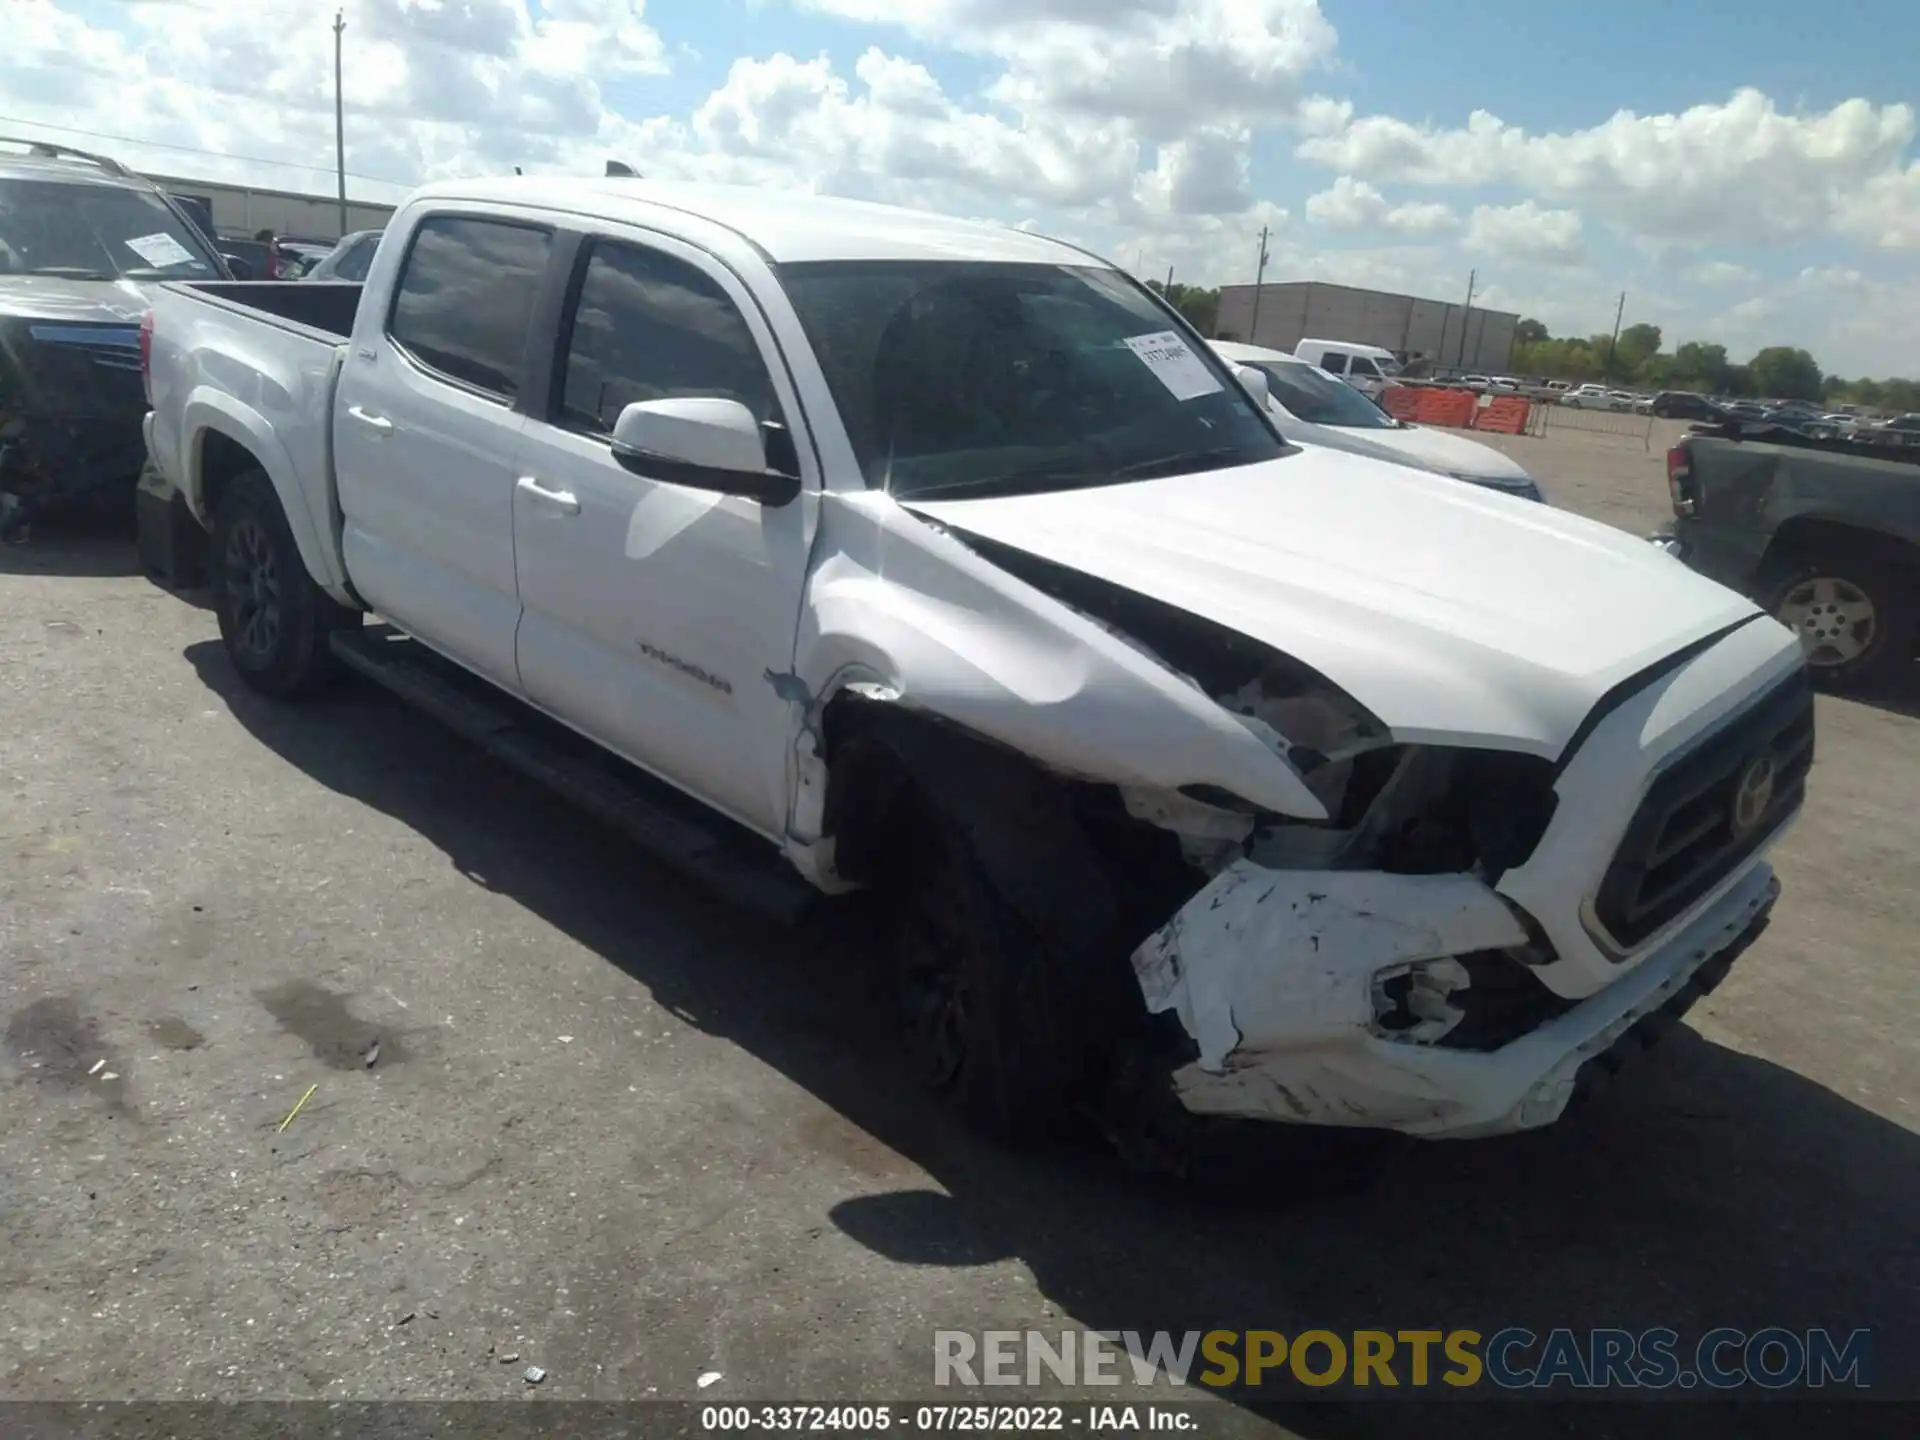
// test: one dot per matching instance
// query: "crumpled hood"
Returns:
(1454, 454)
(80, 302)
(1456, 615)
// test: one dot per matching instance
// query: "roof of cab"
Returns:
(790, 227)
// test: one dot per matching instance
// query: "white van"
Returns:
(1367, 368)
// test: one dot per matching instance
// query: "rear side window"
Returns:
(1334, 361)
(358, 259)
(466, 298)
(651, 327)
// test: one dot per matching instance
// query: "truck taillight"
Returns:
(1679, 476)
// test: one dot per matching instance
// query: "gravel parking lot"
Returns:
(627, 1136)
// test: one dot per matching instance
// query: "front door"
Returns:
(656, 615)
(426, 436)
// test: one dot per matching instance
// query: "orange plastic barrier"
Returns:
(1402, 402)
(1446, 407)
(1504, 414)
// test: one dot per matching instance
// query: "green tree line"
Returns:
(1781, 372)
(1778, 372)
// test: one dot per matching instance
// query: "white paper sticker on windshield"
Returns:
(160, 250)
(1174, 364)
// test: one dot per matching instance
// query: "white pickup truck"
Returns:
(941, 559)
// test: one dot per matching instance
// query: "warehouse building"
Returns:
(247, 209)
(1450, 336)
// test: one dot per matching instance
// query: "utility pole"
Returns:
(1169, 289)
(1466, 318)
(1606, 372)
(1259, 275)
(339, 120)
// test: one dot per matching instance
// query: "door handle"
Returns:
(562, 501)
(379, 424)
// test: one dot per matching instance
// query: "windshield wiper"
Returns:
(994, 484)
(1174, 464)
(64, 272)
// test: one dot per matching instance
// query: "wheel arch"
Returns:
(1802, 538)
(225, 439)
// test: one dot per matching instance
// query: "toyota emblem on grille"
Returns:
(1753, 794)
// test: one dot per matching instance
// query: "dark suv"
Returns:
(81, 237)
(1684, 405)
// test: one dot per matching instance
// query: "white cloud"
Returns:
(1131, 126)
(1526, 232)
(1351, 204)
(1719, 272)
(1742, 170)
(1165, 66)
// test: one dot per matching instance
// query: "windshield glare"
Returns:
(965, 379)
(1308, 393)
(94, 232)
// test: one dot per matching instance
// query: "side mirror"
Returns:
(702, 443)
(238, 268)
(1254, 382)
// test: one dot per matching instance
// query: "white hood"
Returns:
(1456, 615)
(1452, 454)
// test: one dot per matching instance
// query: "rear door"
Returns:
(427, 428)
(656, 614)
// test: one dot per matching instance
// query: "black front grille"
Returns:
(50, 370)
(1710, 809)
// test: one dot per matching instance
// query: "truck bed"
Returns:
(321, 309)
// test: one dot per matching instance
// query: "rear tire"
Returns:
(275, 622)
(1854, 610)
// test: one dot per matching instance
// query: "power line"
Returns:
(319, 169)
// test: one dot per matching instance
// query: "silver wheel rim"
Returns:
(253, 591)
(1834, 618)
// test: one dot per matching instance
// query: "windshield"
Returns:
(94, 232)
(965, 379)
(1310, 394)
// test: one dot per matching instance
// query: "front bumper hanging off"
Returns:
(1272, 975)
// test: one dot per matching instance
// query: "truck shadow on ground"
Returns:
(73, 545)
(1703, 1188)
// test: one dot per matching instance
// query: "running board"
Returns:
(673, 828)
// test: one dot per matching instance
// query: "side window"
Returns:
(357, 261)
(1334, 362)
(650, 327)
(1364, 367)
(466, 298)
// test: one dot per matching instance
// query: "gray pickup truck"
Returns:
(1825, 534)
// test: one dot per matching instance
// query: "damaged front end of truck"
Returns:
(1335, 952)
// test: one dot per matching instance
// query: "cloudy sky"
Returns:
(1746, 170)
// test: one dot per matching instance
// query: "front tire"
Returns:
(1854, 611)
(986, 1026)
(274, 621)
